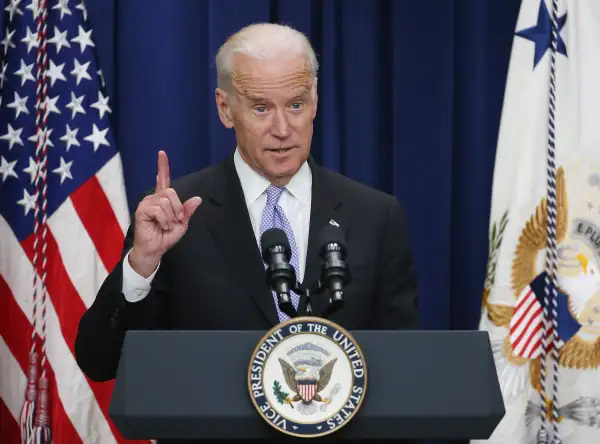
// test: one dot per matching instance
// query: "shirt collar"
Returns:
(253, 184)
(300, 185)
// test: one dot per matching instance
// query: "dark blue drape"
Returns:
(410, 98)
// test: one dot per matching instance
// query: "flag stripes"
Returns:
(526, 326)
(76, 271)
(78, 254)
(110, 179)
(16, 335)
(9, 429)
(11, 390)
(96, 214)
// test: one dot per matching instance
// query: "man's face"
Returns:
(272, 113)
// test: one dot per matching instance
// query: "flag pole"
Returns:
(550, 318)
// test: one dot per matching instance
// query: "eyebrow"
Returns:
(257, 98)
(253, 100)
(303, 93)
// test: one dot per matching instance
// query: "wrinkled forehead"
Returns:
(285, 77)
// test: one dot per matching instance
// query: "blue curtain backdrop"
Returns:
(410, 103)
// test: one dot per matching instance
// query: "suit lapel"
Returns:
(325, 207)
(230, 225)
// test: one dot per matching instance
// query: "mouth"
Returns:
(280, 150)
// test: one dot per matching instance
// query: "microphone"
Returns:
(335, 273)
(281, 276)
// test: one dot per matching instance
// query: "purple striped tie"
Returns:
(274, 217)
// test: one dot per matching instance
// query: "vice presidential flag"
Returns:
(542, 293)
(63, 213)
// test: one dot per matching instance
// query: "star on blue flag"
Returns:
(541, 34)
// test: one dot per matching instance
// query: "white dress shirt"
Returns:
(295, 202)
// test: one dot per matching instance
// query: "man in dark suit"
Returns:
(191, 258)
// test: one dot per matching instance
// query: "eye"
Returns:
(260, 109)
(296, 105)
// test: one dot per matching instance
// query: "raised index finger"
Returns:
(163, 179)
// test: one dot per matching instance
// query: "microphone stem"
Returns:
(308, 307)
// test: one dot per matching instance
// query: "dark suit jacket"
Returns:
(214, 278)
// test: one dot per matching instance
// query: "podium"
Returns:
(193, 385)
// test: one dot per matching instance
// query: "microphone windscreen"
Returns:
(332, 234)
(273, 237)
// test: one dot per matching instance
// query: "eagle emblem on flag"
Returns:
(518, 354)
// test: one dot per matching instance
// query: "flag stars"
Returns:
(33, 7)
(101, 75)
(13, 136)
(7, 41)
(3, 74)
(80, 71)
(70, 137)
(64, 68)
(84, 39)
(7, 169)
(28, 201)
(19, 105)
(97, 137)
(32, 169)
(31, 39)
(541, 34)
(75, 105)
(64, 170)
(46, 134)
(81, 6)
(63, 5)
(59, 39)
(13, 9)
(50, 103)
(55, 72)
(101, 105)
(25, 72)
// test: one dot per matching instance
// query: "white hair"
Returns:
(263, 41)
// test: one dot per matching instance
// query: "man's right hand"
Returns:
(160, 221)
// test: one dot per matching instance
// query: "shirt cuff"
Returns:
(135, 287)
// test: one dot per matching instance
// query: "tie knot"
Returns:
(273, 195)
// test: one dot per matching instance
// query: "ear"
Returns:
(225, 113)
(316, 99)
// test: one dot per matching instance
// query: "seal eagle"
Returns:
(295, 379)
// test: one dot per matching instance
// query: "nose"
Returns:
(281, 127)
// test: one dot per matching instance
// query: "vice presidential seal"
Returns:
(307, 377)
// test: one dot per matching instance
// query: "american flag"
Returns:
(526, 324)
(74, 184)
